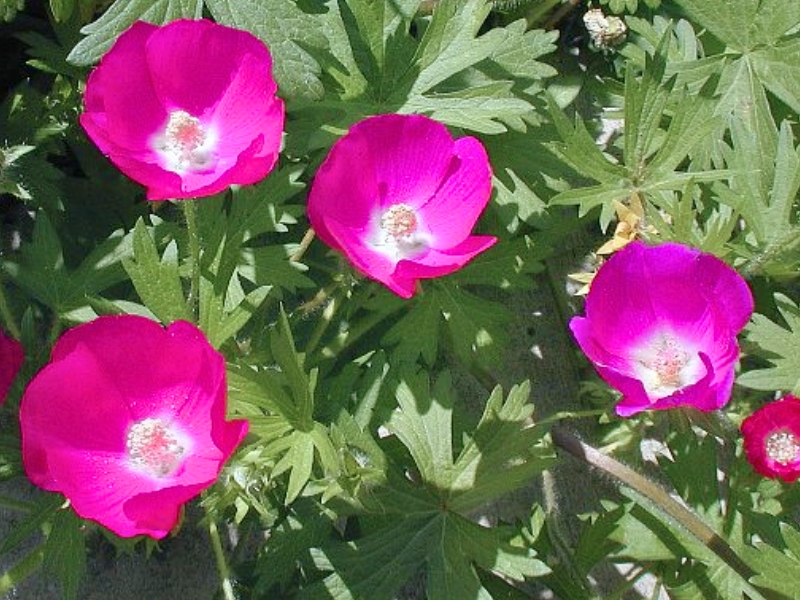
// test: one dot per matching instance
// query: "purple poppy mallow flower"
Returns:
(186, 109)
(127, 421)
(399, 197)
(661, 325)
(772, 439)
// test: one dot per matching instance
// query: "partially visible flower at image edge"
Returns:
(661, 325)
(772, 439)
(127, 420)
(11, 359)
(186, 109)
(399, 197)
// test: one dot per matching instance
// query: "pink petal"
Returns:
(104, 489)
(435, 263)
(643, 294)
(782, 416)
(371, 263)
(411, 155)
(71, 403)
(219, 75)
(162, 371)
(410, 160)
(209, 53)
(344, 188)
(729, 292)
(156, 513)
(115, 117)
(247, 106)
(103, 379)
(702, 395)
(454, 209)
(11, 359)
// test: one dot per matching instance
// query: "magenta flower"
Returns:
(399, 197)
(772, 439)
(186, 109)
(128, 422)
(661, 325)
(11, 358)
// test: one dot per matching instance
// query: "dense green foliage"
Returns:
(369, 462)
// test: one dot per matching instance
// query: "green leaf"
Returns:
(9, 9)
(482, 108)
(449, 44)
(756, 31)
(764, 189)
(427, 525)
(662, 128)
(290, 541)
(780, 346)
(579, 150)
(475, 325)
(776, 569)
(65, 553)
(744, 24)
(288, 31)
(262, 208)
(102, 34)
(40, 271)
(298, 460)
(156, 277)
(102, 267)
(416, 334)
(647, 532)
(778, 68)
(62, 9)
(374, 567)
(45, 508)
(302, 385)
(503, 453)
(423, 424)
(449, 545)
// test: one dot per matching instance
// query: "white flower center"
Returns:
(782, 447)
(151, 445)
(400, 221)
(398, 233)
(665, 364)
(185, 145)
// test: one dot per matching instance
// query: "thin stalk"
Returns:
(8, 317)
(322, 325)
(304, 244)
(559, 539)
(193, 234)
(693, 524)
(572, 414)
(222, 564)
(21, 571)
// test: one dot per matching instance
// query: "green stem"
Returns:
(193, 235)
(572, 414)
(304, 244)
(219, 557)
(8, 317)
(322, 324)
(683, 515)
(21, 571)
